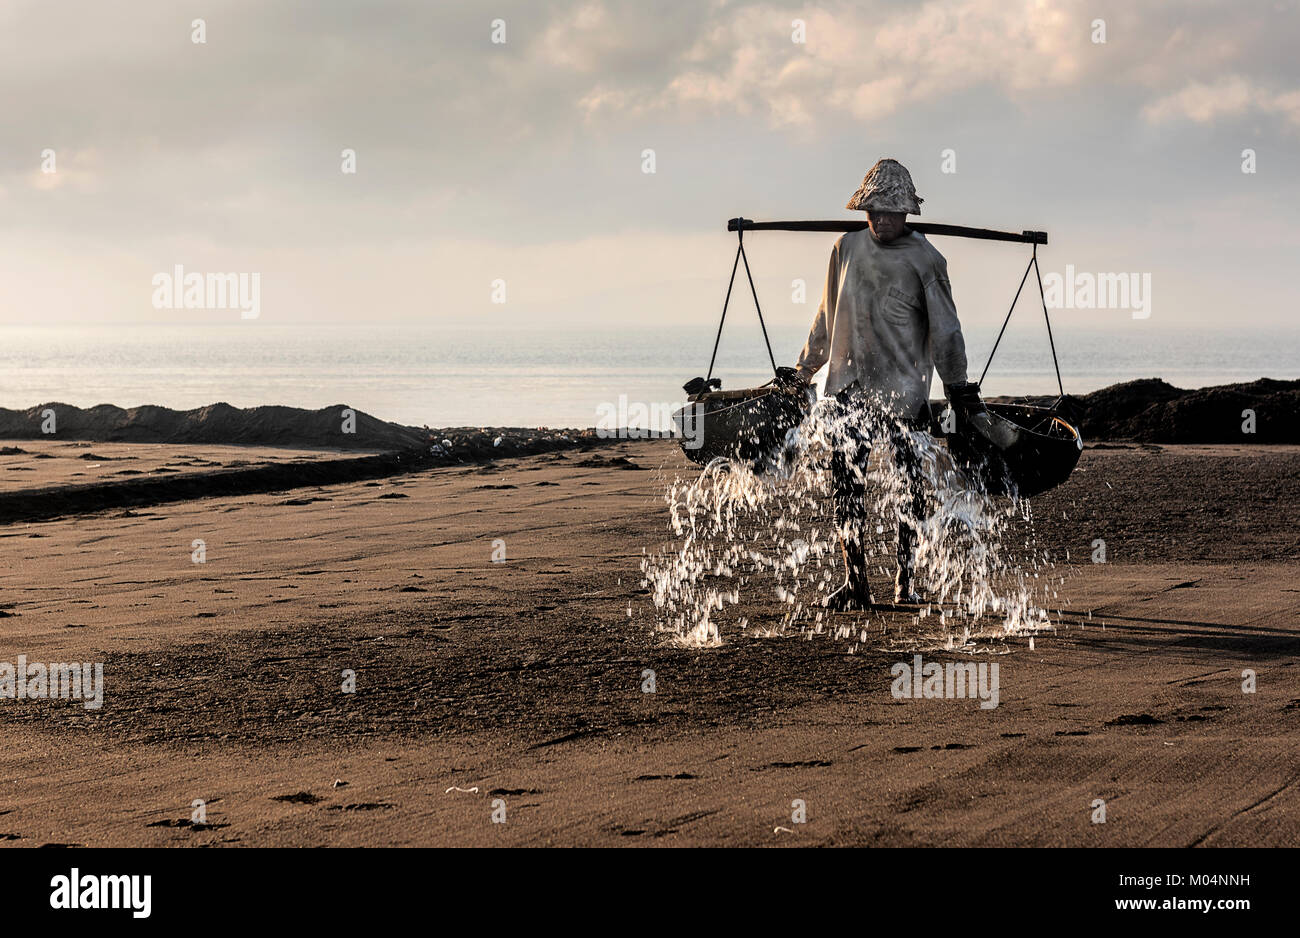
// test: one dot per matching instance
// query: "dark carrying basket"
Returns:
(1019, 449)
(749, 425)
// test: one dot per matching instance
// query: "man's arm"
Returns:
(946, 343)
(817, 349)
(948, 347)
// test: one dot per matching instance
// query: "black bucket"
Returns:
(1018, 450)
(748, 425)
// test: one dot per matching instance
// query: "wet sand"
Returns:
(520, 682)
(26, 464)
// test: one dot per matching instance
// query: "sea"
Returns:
(534, 375)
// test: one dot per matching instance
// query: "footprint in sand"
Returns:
(656, 778)
(299, 797)
(1134, 719)
(187, 823)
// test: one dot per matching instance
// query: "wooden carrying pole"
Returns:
(929, 228)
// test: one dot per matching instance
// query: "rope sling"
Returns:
(1033, 263)
(740, 255)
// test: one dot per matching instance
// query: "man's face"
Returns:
(886, 226)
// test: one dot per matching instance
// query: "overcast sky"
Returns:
(523, 160)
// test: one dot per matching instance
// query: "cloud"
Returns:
(581, 40)
(856, 62)
(74, 169)
(874, 61)
(1230, 97)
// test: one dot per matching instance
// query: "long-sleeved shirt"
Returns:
(887, 321)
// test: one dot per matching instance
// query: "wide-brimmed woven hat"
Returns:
(887, 187)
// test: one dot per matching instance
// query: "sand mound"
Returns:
(215, 423)
(1148, 410)
(1216, 415)
(1153, 411)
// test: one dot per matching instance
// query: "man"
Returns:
(885, 323)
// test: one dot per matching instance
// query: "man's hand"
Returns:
(965, 399)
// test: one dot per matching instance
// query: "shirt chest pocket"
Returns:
(901, 308)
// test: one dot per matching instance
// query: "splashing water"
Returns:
(769, 535)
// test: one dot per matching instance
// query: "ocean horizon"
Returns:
(487, 375)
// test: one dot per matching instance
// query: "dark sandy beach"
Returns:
(480, 682)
